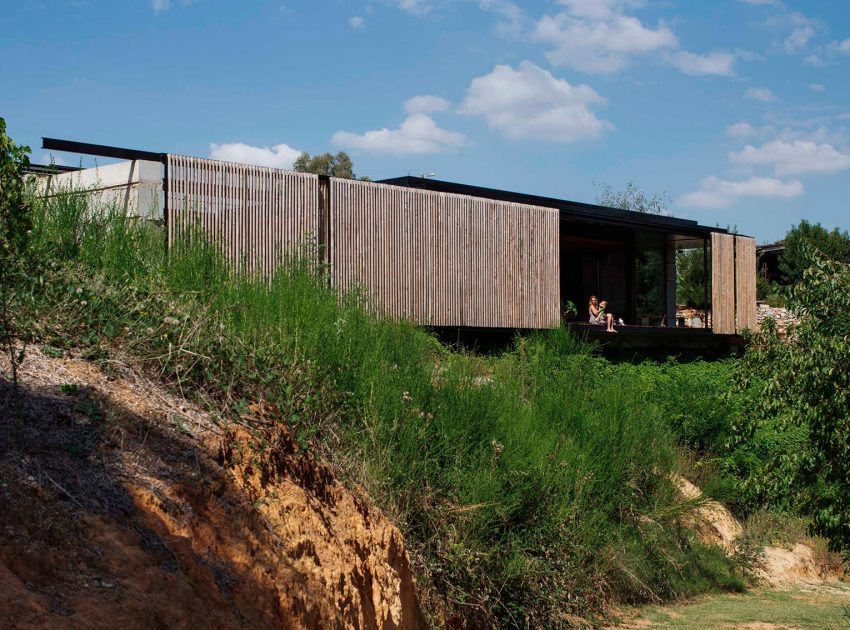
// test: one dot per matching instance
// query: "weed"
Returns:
(520, 480)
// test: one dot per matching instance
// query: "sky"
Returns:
(738, 111)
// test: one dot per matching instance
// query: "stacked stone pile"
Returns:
(781, 315)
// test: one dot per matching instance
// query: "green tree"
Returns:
(834, 244)
(802, 382)
(15, 229)
(632, 198)
(690, 278)
(339, 165)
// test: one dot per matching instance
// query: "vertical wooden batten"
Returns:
(745, 283)
(722, 283)
(444, 259)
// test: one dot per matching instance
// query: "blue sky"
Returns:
(738, 110)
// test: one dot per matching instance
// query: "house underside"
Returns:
(437, 253)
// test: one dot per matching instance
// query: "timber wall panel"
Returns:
(442, 259)
(258, 216)
(745, 283)
(722, 283)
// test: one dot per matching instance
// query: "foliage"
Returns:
(691, 278)
(15, 224)
(812, 407)
(793, 262)
(633, 199)
(339, 165)
(530, 486)
(649, 278)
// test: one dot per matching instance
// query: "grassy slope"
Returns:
(529, 485)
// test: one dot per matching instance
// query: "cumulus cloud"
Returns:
(718, 62)
(597, 37)
(793, 158)
(426, 104)
(530, 103)
(798, 39)
(760, 94)
(740, 130)
(414, 7)
(418, 134)
(356, 22)
(719, 193)
(278, 156)
(512, 20)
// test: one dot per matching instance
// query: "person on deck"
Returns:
(597, 314)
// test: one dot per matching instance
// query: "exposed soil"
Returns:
(122, 505)
(776, 567)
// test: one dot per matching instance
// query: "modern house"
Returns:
(436, 253)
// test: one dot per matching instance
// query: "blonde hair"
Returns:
(590, 301)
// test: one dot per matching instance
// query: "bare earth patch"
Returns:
(122, 505)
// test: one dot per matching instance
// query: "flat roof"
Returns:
(570, 210)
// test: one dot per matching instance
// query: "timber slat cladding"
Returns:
(443, 259)
(722, 283)
(258, 216)
(745, 283)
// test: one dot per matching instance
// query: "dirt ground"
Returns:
(122, 505)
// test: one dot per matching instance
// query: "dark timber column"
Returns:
(324, 225)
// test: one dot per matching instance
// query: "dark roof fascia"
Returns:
(569, 209)
(51, 169)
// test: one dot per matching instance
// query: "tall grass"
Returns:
(530, 486)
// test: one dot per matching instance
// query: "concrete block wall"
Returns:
(134, 186)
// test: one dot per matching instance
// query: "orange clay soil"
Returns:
(124, 506)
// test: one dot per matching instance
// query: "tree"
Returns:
(339, 165)
(690, 278)
(834, 245)
(15, 227)
(632, 198)
(649, 265)
(803, 382)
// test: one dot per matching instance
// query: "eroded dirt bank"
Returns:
(124, 506)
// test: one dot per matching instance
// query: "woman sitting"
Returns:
(598, 315)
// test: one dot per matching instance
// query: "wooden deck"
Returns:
(659, 338)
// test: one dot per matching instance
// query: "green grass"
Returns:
(539, 491)
(818, 608)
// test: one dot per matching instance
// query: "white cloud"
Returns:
(839, 48)
(597, 37)
(414, 7)
(817, 87)
(719, 193)
(760, 94)
(418, 134)
(513, 20)
(278, 156)
(356, 22)
(717, 62)
(426, 104)
(798, 39)
(740, 130)
(772, 3)
(530, 103)
(164, 5)
(793, 158)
